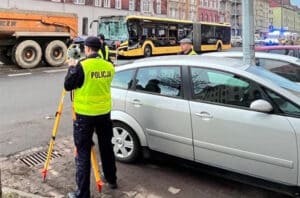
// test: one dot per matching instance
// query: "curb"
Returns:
(21, 193)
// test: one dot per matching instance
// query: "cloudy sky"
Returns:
(296, 2)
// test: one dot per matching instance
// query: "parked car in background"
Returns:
(258, 40)
(291, 50)
(211, 110)
(286, 66)
(236, 41)
(271, 41)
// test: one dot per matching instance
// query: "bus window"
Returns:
(185, 31)
(208, 34)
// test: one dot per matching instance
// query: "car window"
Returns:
(283, 104)
(282, 68)
(165, 81)
(123, 79)
(223, 88)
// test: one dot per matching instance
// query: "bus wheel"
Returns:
(27, 54)
(55, 53)
(148, 51)
(219, 48)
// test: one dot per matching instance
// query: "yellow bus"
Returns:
(131, 36)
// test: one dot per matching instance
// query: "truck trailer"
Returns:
(29, 37)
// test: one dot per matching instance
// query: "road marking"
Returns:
(56, 70)
(20, 74)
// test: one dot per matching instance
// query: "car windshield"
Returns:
(114, 28)
(280, 81)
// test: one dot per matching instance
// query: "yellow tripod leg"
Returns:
(54, 132)
(95, 167)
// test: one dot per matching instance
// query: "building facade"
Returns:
(285, 16)
(209, 11)
(261, 17)
(183, 9)
(231, 12)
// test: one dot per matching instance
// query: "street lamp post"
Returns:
(281, 30)
(248, 32)
(235, 18)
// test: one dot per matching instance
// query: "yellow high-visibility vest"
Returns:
(94, 96)
(106, 49)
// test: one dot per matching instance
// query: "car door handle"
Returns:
(204, 115)
(136, 102)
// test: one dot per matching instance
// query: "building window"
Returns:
(131, 5)
(85, 22)
(158, 6)
(173, 12)
(118, 4)
(106, 4)
(145, 6)
(98, 3)
(82, 2)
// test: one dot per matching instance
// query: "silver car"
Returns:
(283, 65)
(210, 110)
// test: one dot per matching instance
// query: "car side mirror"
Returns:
(261, 106)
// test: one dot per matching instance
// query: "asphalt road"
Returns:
(28, 102)
(27, 106)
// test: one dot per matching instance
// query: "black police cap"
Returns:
(92, 41)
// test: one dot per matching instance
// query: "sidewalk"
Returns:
(20, 180)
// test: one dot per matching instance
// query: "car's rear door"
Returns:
(229, 135)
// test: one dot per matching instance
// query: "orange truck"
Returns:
(28, 38)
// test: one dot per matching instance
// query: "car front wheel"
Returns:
(125, 143)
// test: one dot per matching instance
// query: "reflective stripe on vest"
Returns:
(106, 49)
(94, 96)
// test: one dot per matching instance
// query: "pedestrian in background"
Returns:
(90, 82)
(186, 47)
(104, 50)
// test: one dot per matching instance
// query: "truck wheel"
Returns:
(55, 53)
(27, 54)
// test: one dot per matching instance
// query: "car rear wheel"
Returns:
(125, 143)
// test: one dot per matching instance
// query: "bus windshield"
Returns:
(113, 28)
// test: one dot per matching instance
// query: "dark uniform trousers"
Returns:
(84, 127)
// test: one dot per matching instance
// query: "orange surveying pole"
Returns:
(54, 132)
(95, 166)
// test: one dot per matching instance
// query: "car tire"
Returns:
(125, 142)
(147, 51)
(27, 54)
(55, 53)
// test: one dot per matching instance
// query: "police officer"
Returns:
(104, 50)
(90, 81)
(186, 47)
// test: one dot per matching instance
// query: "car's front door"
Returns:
(158, 106)
(229, 135)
